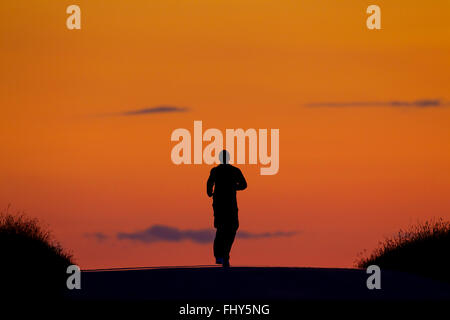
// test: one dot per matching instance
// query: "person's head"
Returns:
(224, 156)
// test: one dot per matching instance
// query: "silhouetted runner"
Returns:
(226, 180)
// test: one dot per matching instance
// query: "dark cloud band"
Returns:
(157, 233)
(158, 109)
(423, 103)
(99, 236)
(145, 111)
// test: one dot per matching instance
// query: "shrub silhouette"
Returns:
(33, 265)
(422, 249)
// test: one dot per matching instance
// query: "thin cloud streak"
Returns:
(158, 109)
(158, 233)
(276, 234)
(422, 103)
(145, 111)
(99, 236)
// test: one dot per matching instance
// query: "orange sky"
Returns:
(348, 175)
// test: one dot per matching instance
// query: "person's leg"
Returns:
(219, 244)
(229, 235)
(218, 240)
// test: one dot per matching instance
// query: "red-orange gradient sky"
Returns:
(348, 175)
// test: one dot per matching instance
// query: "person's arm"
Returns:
(210, 183)
(241, 184)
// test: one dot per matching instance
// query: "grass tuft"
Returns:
(422, 249)
(33, 264)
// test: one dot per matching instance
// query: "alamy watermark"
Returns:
(374, 280)
(73, 22)
(255, 141)
(74, 280)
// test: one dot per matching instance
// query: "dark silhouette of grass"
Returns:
(33, 265)
(423, 249)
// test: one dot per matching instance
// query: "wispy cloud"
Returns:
(99, 236)
(158, 109)
(165, 233)
(145, 111)
(276, 234)
(158, 233)
(422, 103)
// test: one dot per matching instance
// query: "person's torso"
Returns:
(226, 178)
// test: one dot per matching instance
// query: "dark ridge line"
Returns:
(152, 268)
(214, 266)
